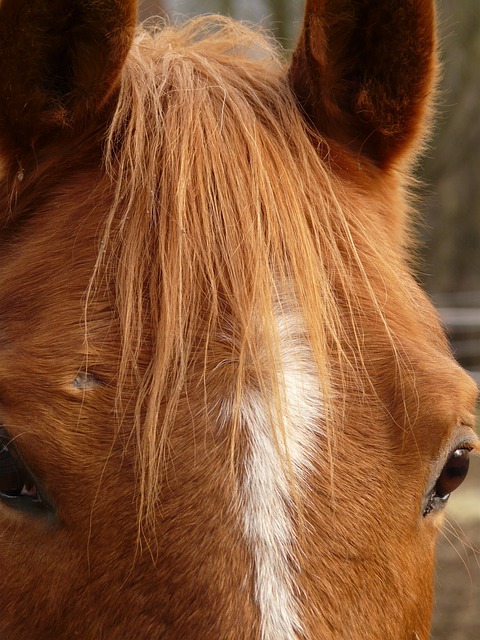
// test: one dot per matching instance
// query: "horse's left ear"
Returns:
(364, 72)
(59, 62)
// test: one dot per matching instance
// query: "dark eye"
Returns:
(453, 474)
(17, 488)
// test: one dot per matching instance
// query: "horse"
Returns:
(227, 409)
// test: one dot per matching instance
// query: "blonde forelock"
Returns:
(222, 204)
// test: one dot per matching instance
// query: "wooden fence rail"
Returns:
(463, 327)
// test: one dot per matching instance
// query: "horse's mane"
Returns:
(226, 214)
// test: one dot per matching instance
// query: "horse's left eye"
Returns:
(17, 488)
(453, 474)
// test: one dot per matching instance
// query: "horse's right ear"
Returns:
(59, 62)
(364, 72)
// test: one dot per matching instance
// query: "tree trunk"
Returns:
(150, 8)
(281, 19)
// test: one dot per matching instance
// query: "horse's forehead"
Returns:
(44, 277)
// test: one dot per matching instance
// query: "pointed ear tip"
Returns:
(40, 93)
(370, 94)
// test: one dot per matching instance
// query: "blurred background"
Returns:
(449, 256)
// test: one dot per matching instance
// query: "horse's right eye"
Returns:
(453, 474)
(17, 488)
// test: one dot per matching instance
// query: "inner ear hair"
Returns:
(364, 72)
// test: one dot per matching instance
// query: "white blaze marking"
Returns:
(266, 491)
